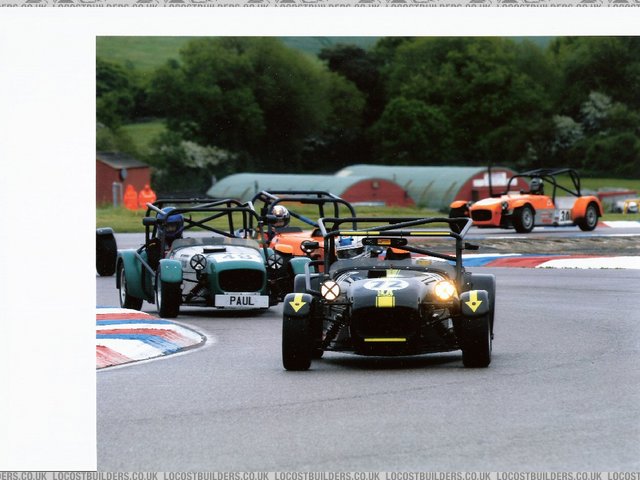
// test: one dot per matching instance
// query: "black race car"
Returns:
(396, 296)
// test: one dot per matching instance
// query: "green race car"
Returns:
(197, 254)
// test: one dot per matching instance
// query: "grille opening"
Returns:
(241, 280)
(481, 215)
(384, 322)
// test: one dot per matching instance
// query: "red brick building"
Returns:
(121, 168)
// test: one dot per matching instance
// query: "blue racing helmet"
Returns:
(172, 225)
(349, 247)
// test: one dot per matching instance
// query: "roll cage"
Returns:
(155, 237)
(548, 175)
(392, 232)
(268, 199)
(216, 207)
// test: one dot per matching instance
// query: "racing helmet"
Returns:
(172, 224)
(537, 186)
(282, 216)
(349, 247)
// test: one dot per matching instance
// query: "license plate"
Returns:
(242, 301)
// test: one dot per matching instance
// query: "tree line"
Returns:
(253, 104)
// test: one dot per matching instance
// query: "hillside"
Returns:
(146, 53)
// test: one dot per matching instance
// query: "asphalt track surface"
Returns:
(562, 393)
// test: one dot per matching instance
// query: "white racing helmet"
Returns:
(282, 216)
(349, 247)
(537, 186)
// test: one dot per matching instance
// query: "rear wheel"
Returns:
(126, 300)
(523, 219)
(168, 298)
(476, 348)
(590, 219)
(106, 253)
(297, 343)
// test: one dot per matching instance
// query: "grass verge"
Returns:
(128, 221)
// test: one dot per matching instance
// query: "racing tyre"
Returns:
(296, 343)
(168, 297)
(476, 348)
(590, 219)
(523, 219)
(126, 300)
(106, 252)
(487, 282)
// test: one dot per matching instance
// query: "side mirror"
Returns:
(271, 219)
(309, 246)
(149, 221)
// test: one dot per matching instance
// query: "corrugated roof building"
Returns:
(437, 187)
(354, 189)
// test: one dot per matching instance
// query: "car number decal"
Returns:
(564, 215)
(229, 257)
(385, 285)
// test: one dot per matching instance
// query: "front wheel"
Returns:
(523, 219)
(168, 298)
(590, 219)
(280, 274)
(477, 344)
(297, 343)
(126, 300)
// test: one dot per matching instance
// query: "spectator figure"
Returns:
(130, 198)
(145, 196)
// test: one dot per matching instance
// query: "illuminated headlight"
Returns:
(445, 290)
(330, 290)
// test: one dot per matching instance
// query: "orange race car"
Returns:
(292, 243)
(523, 210)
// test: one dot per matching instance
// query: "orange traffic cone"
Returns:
(146, 195)
(131, 198)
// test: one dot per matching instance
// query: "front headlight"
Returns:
(330, 290)
(445, 290)
(198, 262)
